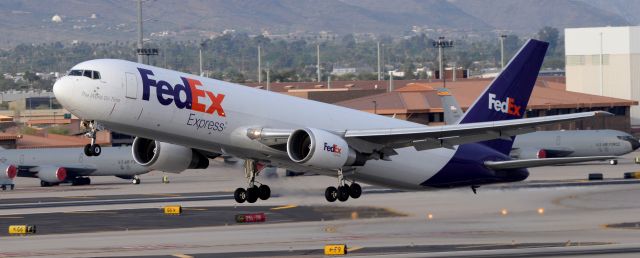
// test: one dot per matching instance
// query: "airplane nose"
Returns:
(61, 90)
(635, 144)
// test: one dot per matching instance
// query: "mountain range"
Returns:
(34, 21)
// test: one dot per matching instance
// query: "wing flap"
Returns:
(528, 163)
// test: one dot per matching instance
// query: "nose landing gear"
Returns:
(344, 190)
(254, 192)
(92, 149)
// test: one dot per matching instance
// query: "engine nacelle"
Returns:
(529, 153)
(166, 157)
(321, 149)
(52, 174)
(8, 171)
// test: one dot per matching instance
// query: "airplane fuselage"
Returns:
(114, 161)
(214, 115)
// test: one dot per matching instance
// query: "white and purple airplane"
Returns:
(174, 114)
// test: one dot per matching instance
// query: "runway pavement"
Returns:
(140, 219)
(556, 213)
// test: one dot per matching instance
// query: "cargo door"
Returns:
(132, 86)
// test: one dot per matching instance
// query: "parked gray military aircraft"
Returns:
(554, 144)
(70, 165)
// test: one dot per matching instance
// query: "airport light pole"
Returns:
(140, 43)
(318, 61)
(441, 44)
(259, 65)
(202, 45)
(268, 79)
(502, 37)
(379, 72)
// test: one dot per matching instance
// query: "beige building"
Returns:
(605, 61)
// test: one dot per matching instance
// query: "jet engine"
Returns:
(8, 171)
(52, 175)
(321, 149)
(166, 157)
(529, 153)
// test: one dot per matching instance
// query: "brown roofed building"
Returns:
(419, 102)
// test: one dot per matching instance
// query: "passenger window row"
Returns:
(86, 73)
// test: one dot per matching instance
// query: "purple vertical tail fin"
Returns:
(508, 94)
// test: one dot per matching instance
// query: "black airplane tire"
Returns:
(77, 181)
(96, 150)
(331, 194)
(252, 194)
(240, 195)
(264, 192)
(343, 193)
(355, 191)
(87, 150)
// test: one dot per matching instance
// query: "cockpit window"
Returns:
(627, 138)
(75, 73)
(86, 73)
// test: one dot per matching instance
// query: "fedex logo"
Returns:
(167, 94)
(332, 148)
(508, 107)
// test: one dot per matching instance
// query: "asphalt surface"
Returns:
(142, 219)
(517, 250)
(86, 200)
(555, 213)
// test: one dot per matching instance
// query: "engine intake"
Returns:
(9, 171)
(321, 149)
(166, 157)
(52, 174)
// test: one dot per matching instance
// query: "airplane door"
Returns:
(132, 86)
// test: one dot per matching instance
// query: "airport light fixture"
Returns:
(440, 44)
(147, 52)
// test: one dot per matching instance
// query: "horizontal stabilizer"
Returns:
(528, 163)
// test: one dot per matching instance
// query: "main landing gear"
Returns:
(92, 149)
(253, 192)
(343, 191)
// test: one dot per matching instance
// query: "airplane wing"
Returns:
(447, 136)
(528, 163)
(427, 137)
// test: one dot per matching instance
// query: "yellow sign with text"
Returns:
(173, 210)
(335, 249)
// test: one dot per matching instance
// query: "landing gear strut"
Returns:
(344, 190)
(92, 149)
(253, 192)
(474, 188)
